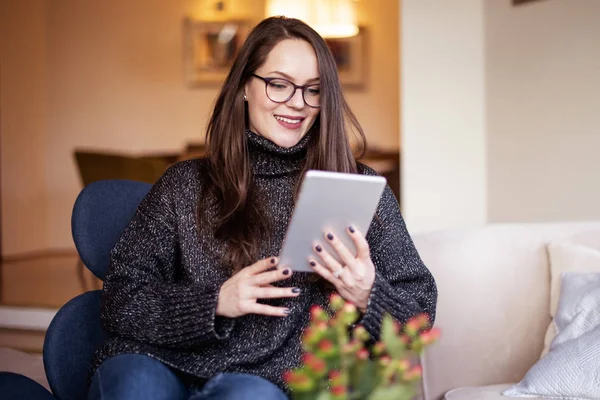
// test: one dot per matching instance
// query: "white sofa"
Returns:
(493, 305)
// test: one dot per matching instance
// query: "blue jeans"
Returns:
(135, 376)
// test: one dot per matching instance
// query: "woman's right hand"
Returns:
(239, 294)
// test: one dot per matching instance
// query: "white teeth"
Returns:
(289, 121)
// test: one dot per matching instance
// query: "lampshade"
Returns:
(331, 18)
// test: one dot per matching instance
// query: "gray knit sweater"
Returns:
(160, 292)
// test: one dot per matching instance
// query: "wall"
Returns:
(109, 75)
(115, 82)
(543, 110)
(500, 112)
(443, 114)
(23, 124)
(376, 107)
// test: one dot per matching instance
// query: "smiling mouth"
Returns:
(288, 120)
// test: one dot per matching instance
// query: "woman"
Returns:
(192, 299)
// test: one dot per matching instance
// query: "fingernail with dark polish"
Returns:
(330, 236)
(351, 229)
(313, 264)
(318, 248)
(273, 260)
(286, 271)
(296, 290)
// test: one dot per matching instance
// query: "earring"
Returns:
(245, 98)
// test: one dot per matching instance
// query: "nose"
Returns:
(297, 101)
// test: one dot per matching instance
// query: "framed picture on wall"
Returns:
(350, 57)
(209, 49)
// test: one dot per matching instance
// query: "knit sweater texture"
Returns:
(161, 290)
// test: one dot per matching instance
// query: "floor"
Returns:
(30, 365)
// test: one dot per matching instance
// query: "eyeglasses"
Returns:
(281, 90)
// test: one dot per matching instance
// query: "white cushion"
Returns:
(580, 254)
(571, 369)
(493, 392)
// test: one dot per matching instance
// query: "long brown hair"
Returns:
(238, 221)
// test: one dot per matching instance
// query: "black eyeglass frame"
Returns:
(296, 87)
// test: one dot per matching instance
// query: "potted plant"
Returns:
(340, 362)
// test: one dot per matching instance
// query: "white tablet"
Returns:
(329, 202)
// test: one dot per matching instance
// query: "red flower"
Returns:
(413, 326)
(288, 376)
(423, 320)
(361, 333)
(317, 313)
(295, 378)
(385, 360)
(403, 365)
(335, 374)
(430, 336)
(314, 363)
(325, 345)
(362, 354)
(351, 346)
(326, 349)
(338, 390)
(336, 378)
(379, 348)
(336, 301)
(414, 373)
(321, 326)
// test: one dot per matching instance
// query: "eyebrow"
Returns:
(290, 78)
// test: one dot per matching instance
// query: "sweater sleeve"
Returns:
(142, 298)
(403, 285)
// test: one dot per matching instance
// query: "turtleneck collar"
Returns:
(269, 159)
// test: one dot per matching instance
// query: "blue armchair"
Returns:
(101, 212)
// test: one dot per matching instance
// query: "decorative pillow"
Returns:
(571, 369)
(569, 257)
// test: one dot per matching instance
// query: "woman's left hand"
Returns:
(354, 278)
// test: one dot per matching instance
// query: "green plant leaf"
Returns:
(393, 344)
(323, 396)
(366, 379)
(395, 392)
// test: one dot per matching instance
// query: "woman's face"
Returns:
(284, 123)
